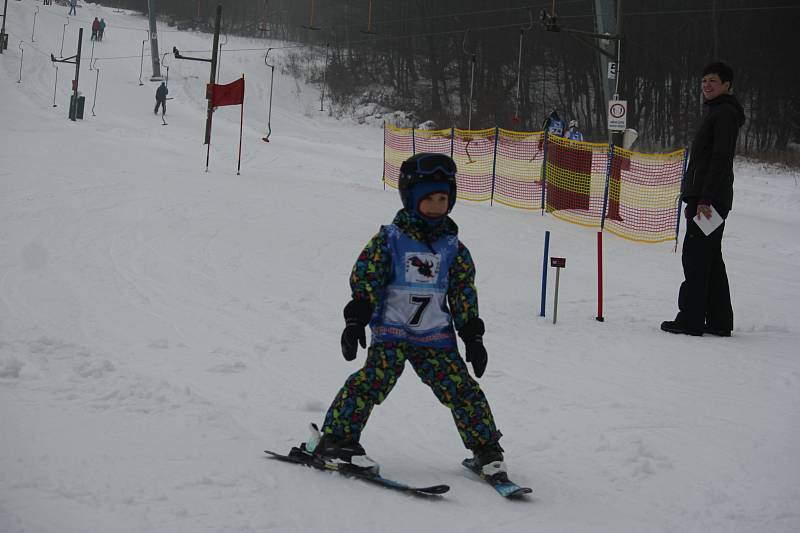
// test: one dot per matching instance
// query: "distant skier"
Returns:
(553, 124)
(95, 28)
(102, 29)
(573, 133)
(414, 285)
(161, 99)
(72, 5)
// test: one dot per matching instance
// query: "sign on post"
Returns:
(617, 115)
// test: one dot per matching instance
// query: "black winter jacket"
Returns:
(710, 172)
(162, 92)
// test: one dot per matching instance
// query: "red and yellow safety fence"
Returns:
(632, 195)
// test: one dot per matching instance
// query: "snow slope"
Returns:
(160, 326)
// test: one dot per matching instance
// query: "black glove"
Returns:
(472, 335)
(356, 317)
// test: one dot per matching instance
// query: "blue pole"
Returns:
(544, 271)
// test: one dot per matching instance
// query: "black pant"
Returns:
(704, 297)
(163, 104)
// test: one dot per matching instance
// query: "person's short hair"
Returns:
(723, 70)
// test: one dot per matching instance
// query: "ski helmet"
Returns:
(573, 123)
(427, 167)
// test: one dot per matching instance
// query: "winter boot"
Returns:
(489, 457)
(341, 451)
(673, 326)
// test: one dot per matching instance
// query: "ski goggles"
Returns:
(431, 164)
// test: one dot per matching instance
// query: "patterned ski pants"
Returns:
(442, 370)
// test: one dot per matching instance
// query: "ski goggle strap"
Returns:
(431, 164)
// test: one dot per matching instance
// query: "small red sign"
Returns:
(558, 262)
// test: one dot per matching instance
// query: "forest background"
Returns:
(416, 56)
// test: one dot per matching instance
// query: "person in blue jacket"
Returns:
(573, 133)
(414, 286)
(553, 124)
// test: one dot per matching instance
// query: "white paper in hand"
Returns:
(708, 225)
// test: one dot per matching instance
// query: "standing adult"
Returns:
(95, 28)
(72, 5)
(161, 99)
(102, 29)
(704, 299)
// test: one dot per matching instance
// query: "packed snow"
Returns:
(160, 325)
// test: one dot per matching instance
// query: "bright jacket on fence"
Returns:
(420, 281)
(574, 135)
(710, 172)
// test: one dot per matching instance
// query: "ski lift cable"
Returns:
(472, 75)
(93, 65)
(271, 80)
(473, 54)
(522, 31)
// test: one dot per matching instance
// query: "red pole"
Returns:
(241, 124)
(599, 316)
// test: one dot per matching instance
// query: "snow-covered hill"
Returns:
(160, 326)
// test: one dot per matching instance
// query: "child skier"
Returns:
(413, 284)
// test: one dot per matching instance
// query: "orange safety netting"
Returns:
(518, 173)
(575, 174)
(473, 152)
(644, 195)
(398, 145)
(634, 195)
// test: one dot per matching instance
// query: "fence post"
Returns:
(544, 170)
(413, 142)
(494, 162)
(452, 140)
(609, 166)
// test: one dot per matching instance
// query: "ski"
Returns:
(302, 457)
(501, 483)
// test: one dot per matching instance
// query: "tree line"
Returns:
(460, 62)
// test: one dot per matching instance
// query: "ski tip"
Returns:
(521, 491)
(436, 490)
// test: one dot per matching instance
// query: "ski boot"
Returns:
(489, 458)
(340, 453)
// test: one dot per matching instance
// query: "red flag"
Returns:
(230, 94)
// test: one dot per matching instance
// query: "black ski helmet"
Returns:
(426, 167)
